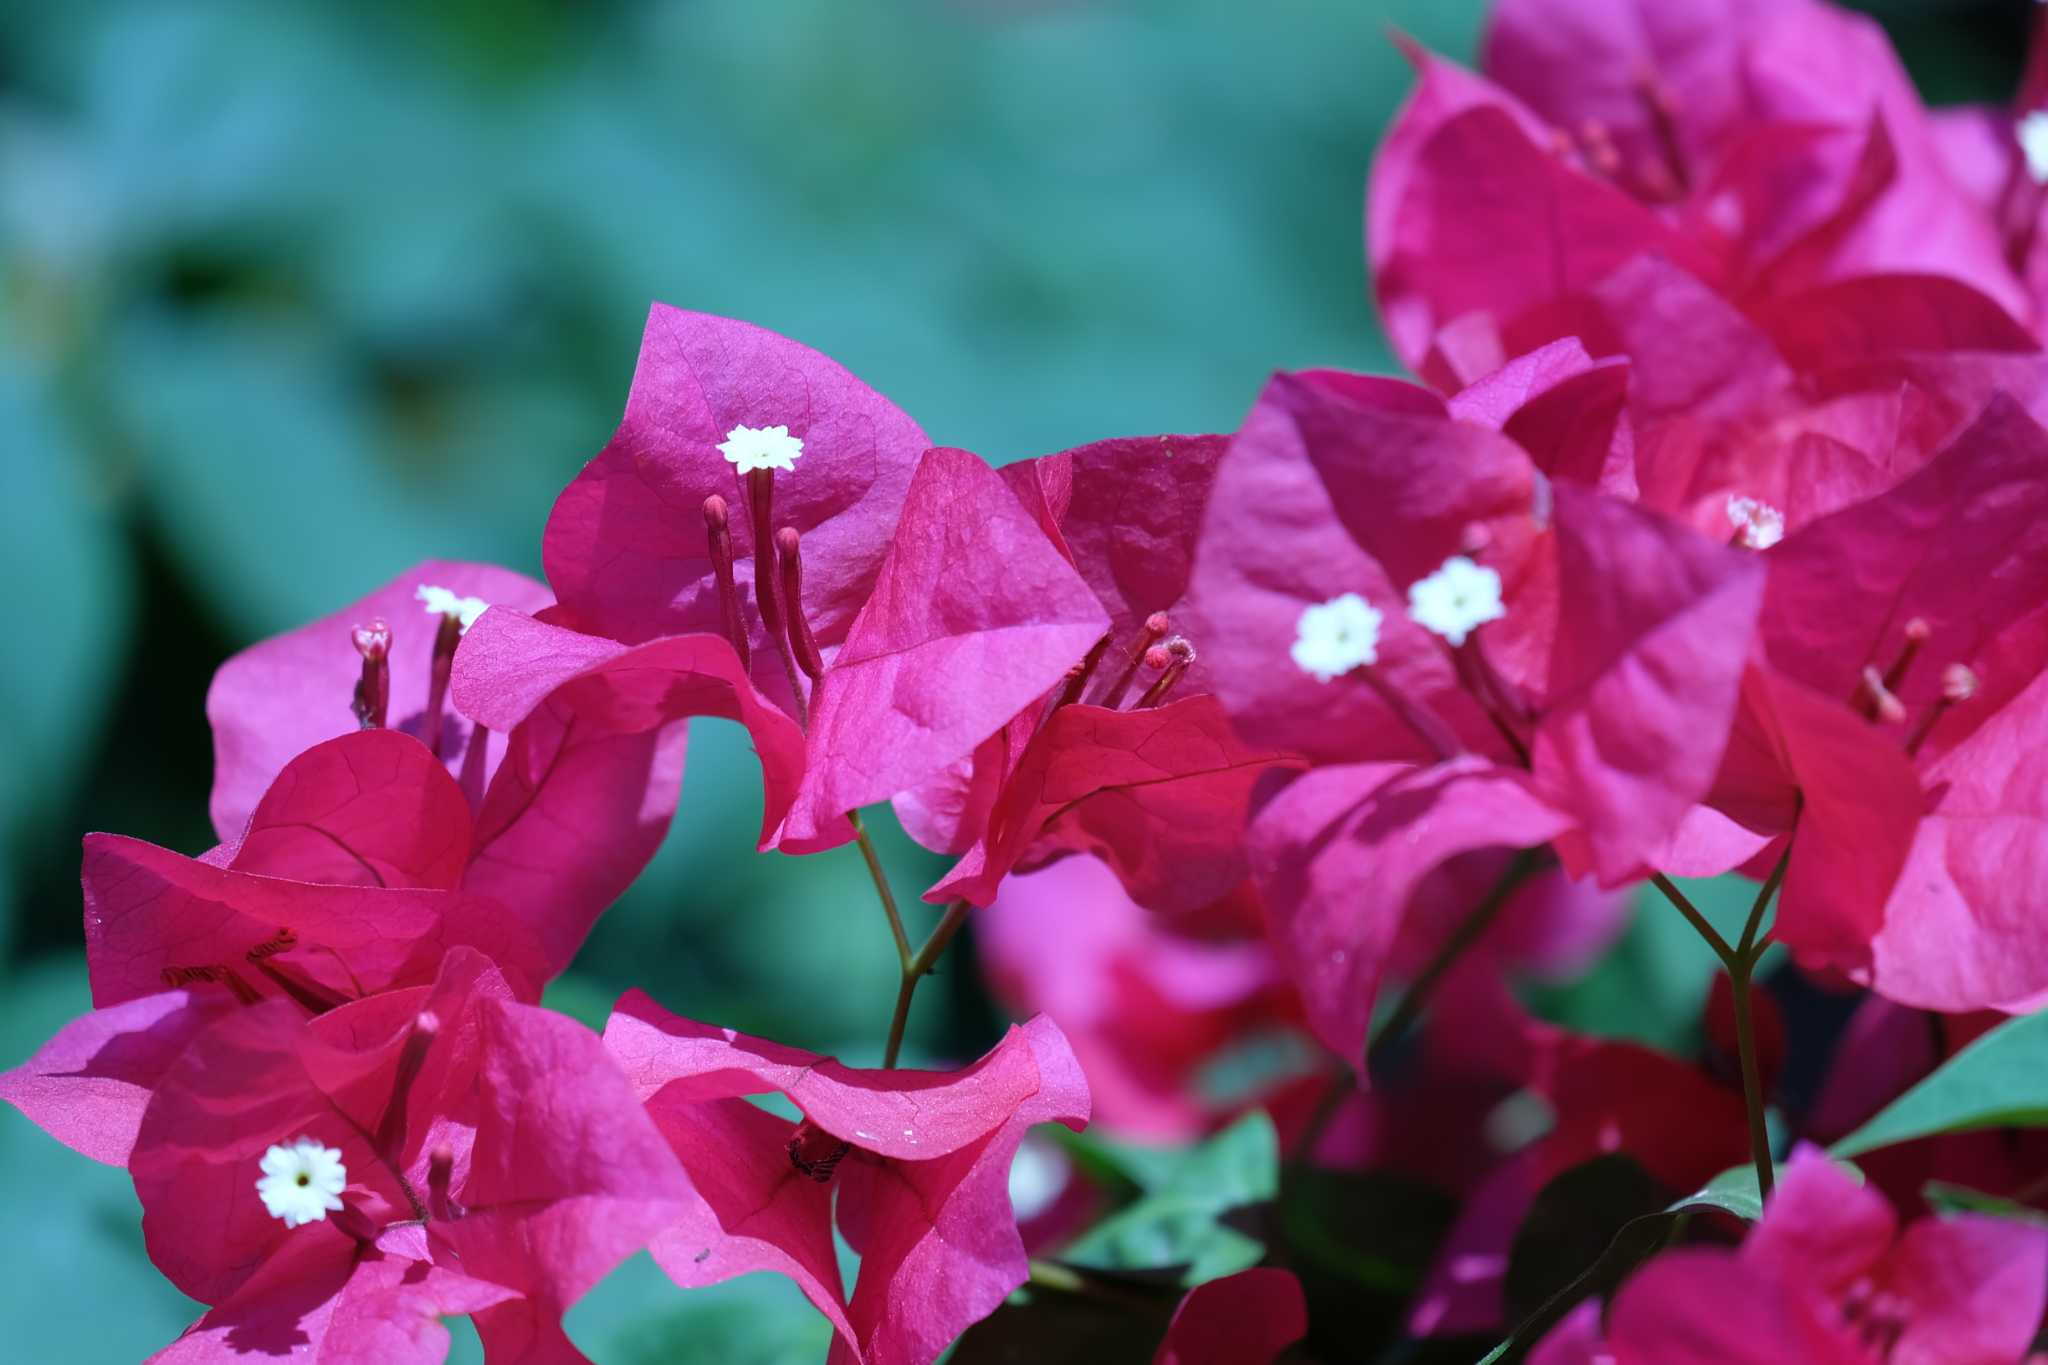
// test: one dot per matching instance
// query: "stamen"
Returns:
(1958, 685)
(1427, 724)
(816, 1153)
(1078, 676)
(789, 558)
(446, 638)
(1879, 703)
(1917, 632)
(373, 689)
(1177, 655)
(212, 973)
(767, 593)
(426, 1026)
(1663, 109)
(440, 1176)
(718, 540)
(1155, 626)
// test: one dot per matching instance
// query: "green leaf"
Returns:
(1943, 1197)
(1999, 1081)
(1575, 1217)
(1179, 1218)
(1371, 1229)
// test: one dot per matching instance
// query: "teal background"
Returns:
(294, 296)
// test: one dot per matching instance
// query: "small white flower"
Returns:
(1456, 599)
(2032, 134)
(1336, 636)
(443, 602)
(302, 1183)
(1757, 524)
(753, 448)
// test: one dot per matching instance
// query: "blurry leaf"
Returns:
(1574, 1218)
(1178, 1221)
(1999, 1081)
(1041, 1326)
(1369, 1228)
(74, 1279)
(1943, 1197)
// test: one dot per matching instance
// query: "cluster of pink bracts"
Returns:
(1715, 538)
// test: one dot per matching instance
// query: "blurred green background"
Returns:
(294, 296)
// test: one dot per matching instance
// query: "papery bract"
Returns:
(493, 1152)
(921, 1158)
(1242, 1319)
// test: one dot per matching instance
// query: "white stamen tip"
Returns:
(1457, 599)
(2032, 135)
(1336, 636)
(753, 448)
(302, 1183)
(1757, 524)
(445, 602)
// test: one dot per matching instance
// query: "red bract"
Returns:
(1157, 791)
(1828, 1276)
(519, 821)
(495, 1163)
(1760, 225)
(1242, 1319)
(344, 885)
(1592, 712)
(921, 1159)
(1146, 1007)
(892, 600)
(1904, 645)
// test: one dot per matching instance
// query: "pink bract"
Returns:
(549, 1174)
(921, 1159)
(1242, 1319)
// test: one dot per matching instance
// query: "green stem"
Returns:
(916, 967)
(881, 880)
(1469, 930)
(1695, 918)
(1751, 948)
(1752, 1081)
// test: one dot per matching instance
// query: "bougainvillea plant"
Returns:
(1300, 782)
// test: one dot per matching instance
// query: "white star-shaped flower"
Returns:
(1336, 636)
(1758, 524)
(444, 602)
(753, 448)
(302, 1183)
(1457, 599)
(2032, 135)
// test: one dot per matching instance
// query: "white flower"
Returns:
(302, 1183)
(2032, 134)
(443, 602)
(1336, 636)
(1757, 524)
(1456, 599)
(753, 448)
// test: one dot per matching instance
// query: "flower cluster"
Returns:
(1713, 538)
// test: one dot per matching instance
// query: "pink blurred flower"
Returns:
(921, 1162)
(1242, 1319)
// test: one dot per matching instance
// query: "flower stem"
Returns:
(881, 880)
(1740, 962)
(1469, 930)
(918, 966)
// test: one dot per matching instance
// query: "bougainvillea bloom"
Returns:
(1828, 1276)
(1746, 202)
(920, 1161)
(1588, 702)
(344, 884)
(893, 604)
(1242, 1319)
(1890, 725)
(494, 1160)
(1131, 759)
(557, 815)
(1146, 1006)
